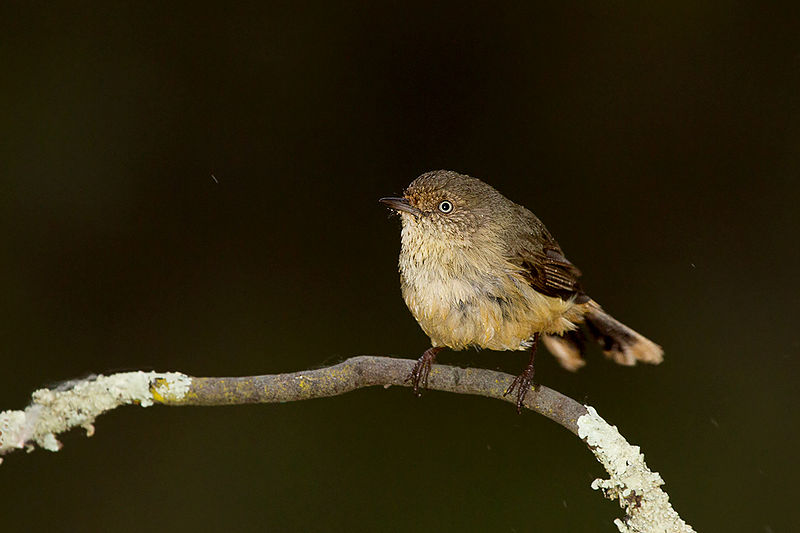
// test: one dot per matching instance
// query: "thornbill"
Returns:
(478, 270)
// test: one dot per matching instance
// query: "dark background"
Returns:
(659, 144)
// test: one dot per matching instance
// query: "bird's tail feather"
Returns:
(568, 349)
(619, 342)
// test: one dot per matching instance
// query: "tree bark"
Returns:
(79, 403)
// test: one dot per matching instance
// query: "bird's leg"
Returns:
(422, 368)
(524, 381)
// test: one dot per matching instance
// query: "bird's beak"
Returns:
(400, 204)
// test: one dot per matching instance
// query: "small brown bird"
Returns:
(478, 270)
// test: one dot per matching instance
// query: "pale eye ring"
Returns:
(445, 206)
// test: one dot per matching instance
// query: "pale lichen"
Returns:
(637, 488)
(55, 411)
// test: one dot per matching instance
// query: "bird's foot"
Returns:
(422, 369)
(523, 384)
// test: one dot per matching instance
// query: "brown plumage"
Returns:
(479, 270)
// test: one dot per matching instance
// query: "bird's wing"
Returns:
(543, 263)
(552, 274)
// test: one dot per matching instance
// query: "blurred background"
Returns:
(194, 187)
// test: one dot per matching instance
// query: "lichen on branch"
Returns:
(79, 403)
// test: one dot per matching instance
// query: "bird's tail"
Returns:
(619, 342)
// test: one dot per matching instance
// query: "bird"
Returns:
(480, 271)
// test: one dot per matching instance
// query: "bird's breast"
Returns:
(460, 301)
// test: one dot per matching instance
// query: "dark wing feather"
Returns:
(552, 274)
(534, 250)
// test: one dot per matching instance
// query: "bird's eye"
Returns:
(445, 206)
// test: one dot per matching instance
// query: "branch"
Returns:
(78, 404)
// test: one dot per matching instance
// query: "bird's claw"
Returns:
(523, 384)
(422, 369)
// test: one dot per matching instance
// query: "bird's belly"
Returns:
(497, 313)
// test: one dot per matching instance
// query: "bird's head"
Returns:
(447, 206)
